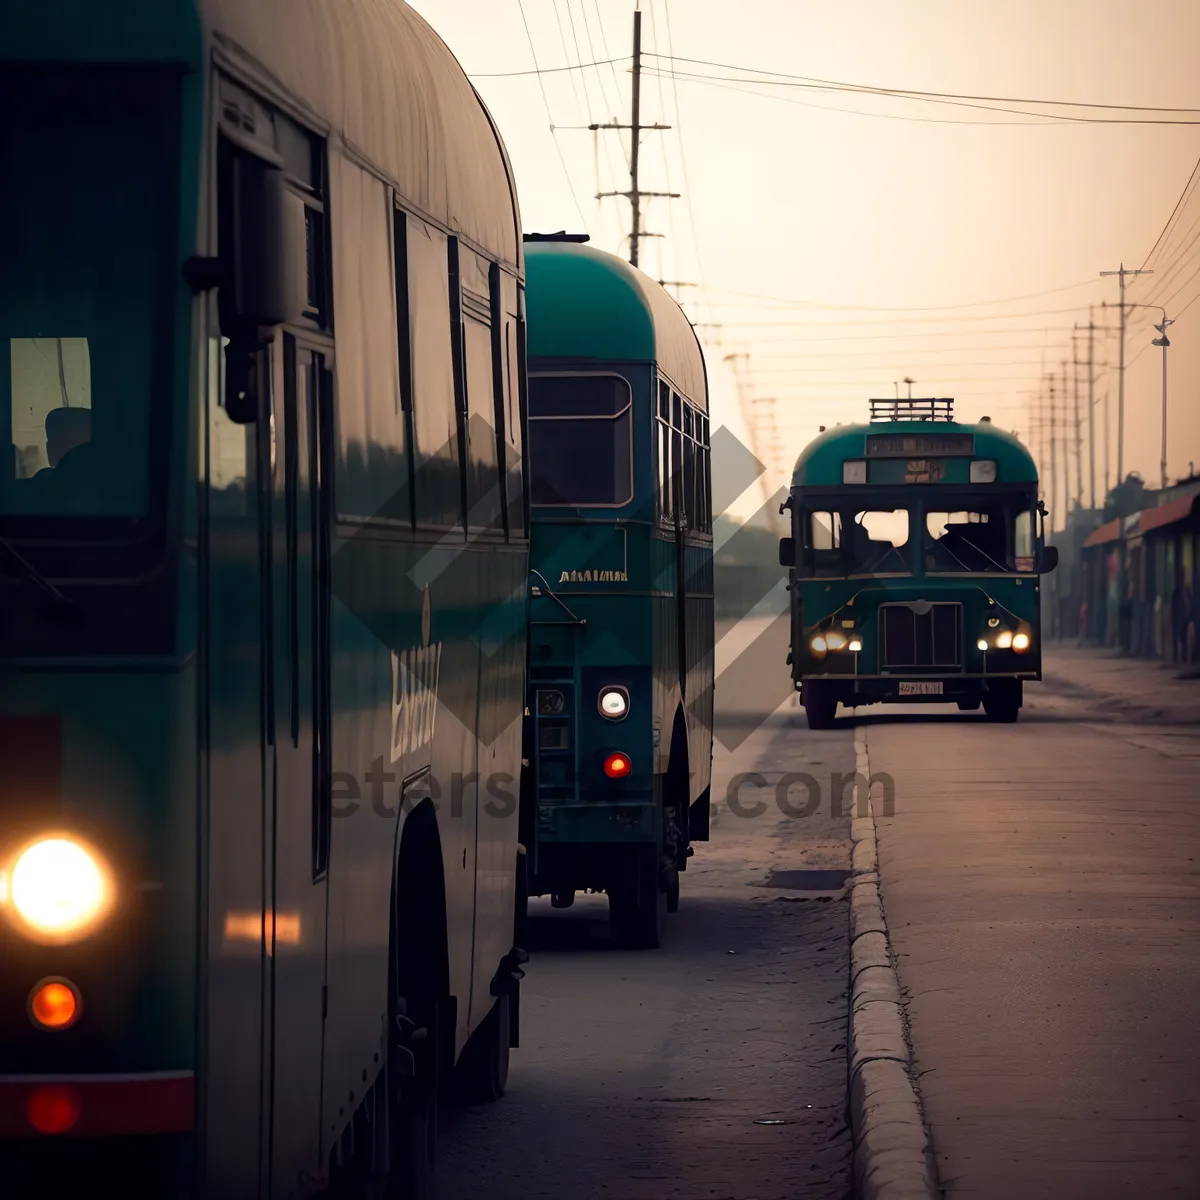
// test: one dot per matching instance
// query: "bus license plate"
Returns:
(921, 689)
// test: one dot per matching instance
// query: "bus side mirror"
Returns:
(1049, 559)
(787, 552)
(268, 263)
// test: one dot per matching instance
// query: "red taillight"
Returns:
(617, 765)
(53, 1109)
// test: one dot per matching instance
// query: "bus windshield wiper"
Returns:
(980, 550)
(34, 576)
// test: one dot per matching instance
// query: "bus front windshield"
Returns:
(858, 541)
(974, 537)
(88, 212)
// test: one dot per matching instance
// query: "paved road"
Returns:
(641, 1075)
(1042, 890)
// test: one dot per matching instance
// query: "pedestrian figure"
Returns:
(1180, 615)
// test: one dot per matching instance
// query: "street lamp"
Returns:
(1164, 342)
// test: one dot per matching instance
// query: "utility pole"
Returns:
(1121, 373)
(1164, 342)
(1053, 453)
(753, 410)
(1075, 365)
(636, 129)
(1091, 409)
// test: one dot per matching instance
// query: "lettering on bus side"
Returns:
(594, 577)
(416, 673)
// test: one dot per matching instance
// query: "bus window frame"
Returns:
(806, 506)
(630, 408)
(1026, 493)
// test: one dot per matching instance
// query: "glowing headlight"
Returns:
(855, 645)
(818, 644)
(1020, 642)
(982, 644)
(1004, 639)
(58, 889)
(835, 640)
(613, 703)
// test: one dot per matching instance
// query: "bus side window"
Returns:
(666, 508)
(1023, 534)
(825, 531)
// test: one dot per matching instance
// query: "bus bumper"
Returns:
(967, 689)
(581, 844)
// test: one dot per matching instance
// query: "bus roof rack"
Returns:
(561, 236)
(912, 410)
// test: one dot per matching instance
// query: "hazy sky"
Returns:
(843, 241)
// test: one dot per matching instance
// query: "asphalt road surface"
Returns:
(1042, 892)
(642, 1075)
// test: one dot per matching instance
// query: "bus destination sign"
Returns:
(919, 445)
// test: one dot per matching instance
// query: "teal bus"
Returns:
(263, 591)
(914, 561)
(620, 704)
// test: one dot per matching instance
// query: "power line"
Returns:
(1033, 118)
(602, 62)
(550, 118)
(911, 308)
(839, 85)
(1179, 204)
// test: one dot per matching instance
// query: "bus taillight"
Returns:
(53, 1108)
(617, 765)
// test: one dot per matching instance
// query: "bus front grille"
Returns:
(932, 638)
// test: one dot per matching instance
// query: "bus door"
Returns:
(296, 525)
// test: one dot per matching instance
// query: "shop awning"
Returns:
(1106, 533)
(1167, 514)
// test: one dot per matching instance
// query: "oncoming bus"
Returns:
(916, 549)
(261, 331)
(619, 713)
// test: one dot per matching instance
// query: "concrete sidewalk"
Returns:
(1134, 689)
(1042, 895)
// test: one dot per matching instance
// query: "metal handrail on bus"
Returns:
(546, 590)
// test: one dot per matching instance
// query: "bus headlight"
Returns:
(1004, 639)
(58, 889)
(1020, 642)
(981, 644)
(855, 645)
(819, 645)
(835, 640)
(613, 703)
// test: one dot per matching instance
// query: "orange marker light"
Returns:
(53, 1109)
(617, 766)
(54, 1004)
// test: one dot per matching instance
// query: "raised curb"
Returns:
(892, 1156)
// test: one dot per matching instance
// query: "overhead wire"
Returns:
(550, 117)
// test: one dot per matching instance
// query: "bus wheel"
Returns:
(637, 901)
(1002, 707)
(820, 705)
(481, 1076)
(673, 890)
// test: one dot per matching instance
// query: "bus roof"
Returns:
(587, 303)
(370, 71)
(820, 462)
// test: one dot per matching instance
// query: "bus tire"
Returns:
(1003, 710)
(820, 705)
(481, 1076)
(637, 901)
